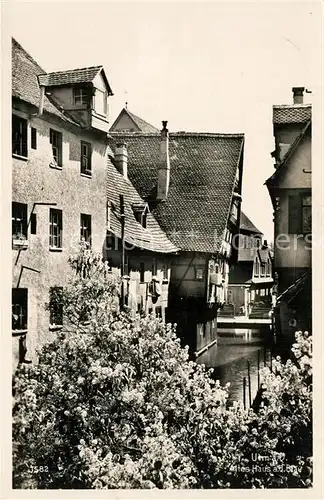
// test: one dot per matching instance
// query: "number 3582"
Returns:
(38, 469)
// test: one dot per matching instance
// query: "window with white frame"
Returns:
(86, 154)
(80, 96)
(19, 136)
(55, 228)
(100, 102)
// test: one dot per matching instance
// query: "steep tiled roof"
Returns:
(247, 225)
(142, 125)
(150, 238)
(292, 113)
(202, 179)
(24, 81)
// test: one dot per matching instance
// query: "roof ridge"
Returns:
(284, 106)
(188, 134)
(139, 118)
(71, 70)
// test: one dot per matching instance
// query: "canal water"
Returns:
(230, 362)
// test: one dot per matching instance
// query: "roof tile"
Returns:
(71, 76)
(152, 237)
(247, 225)
(202, 179)
(25, 84)
(292, 113)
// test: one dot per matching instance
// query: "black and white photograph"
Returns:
(160, 289)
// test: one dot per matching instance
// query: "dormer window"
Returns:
(140, 214)
(100, 102)
(80, 97)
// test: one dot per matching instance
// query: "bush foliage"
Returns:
(115, 402)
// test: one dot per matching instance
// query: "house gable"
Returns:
(124, 122)
(295, 171)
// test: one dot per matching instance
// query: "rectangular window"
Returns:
(85, 228)
(306, 214)
(56, 306)
(86, 153)
(256, 268)
(263, 269)
(55, 228)
(19, 136)
(100, 102)
(19, 308)
(234, 211)
(19, 221)
(56, 141)
(33, 138)
(80, 97)
(300, 214)
(199, 273)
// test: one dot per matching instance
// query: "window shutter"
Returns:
(24, 138)
(33, 224)
(24, 224)
(33, 138)
(294, 214)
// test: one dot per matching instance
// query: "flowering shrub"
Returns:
(115, 402)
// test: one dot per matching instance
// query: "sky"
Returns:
(204, 67)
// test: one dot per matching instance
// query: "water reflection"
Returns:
(230, 363)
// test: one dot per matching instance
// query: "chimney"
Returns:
(121, 158)
(163, 165)
(298, 93)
